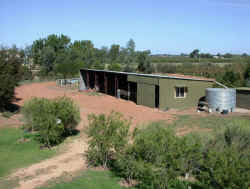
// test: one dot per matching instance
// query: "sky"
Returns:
(163, 26)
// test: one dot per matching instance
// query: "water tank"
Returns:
(221, 99)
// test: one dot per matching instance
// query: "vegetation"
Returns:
(157, 158)
(19, 149)
(58, 56)
(10, 75)
(108, 136)
(226, 159)
(52, 119)
(89, 180)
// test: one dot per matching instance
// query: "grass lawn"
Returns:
(89, 180)
(14, 154)
(214, 122)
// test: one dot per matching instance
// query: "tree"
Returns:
(45, 51)
(108, 135)
(194, 53)
(131, 46)
(228, 55)
(114, 52)
(67, 64)
(10, 74)
(53, 119)
(143, 61)
(244, 55)
(231, 79)
(84, 51)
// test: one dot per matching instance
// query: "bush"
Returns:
(115, 67)
(10, 65)
(157, 158)
(227, 159)
(52, 119)
(108, 136)
(68, 112)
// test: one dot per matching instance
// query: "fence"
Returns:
(72, 83)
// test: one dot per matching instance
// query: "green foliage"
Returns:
(52, 119)
(26, 73)
(227, 159)
(114, 52)
(7, 114)
(157, 158)
(144, 64)
(231, 79)
(10, 75)
(89, 180)
(68, 112)
(115, 67)
(16, 154)
(108, 136)
(194, 53)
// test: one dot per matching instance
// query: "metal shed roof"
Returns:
(183, 77)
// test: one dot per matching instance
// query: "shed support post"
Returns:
(87, 74)
(96, 82)
(128, 91)
(105, 83)
(116, 85)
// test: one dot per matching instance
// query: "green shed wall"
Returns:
(145, 80)
(195, 90)
(243, 99)
(146, 95)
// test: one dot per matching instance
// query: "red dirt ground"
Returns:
(93, 104)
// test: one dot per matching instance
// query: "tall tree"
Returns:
(194, 53)
(10, 69)
(114, 52)
(144, 64)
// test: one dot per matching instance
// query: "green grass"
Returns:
(89, 180)
(214, 122)
(14, 154)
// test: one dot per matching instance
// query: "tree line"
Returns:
(57, 55)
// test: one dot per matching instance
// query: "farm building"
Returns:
(243, 97)
(156, 91)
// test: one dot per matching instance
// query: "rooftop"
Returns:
(170, 76)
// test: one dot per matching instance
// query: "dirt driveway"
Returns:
(91, 103)
(72, 159)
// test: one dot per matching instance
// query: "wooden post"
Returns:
(128, 91)
(96, 82)
(116, 83)
(105, 83)
(88, 85)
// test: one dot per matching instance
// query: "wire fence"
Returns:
(72, 83)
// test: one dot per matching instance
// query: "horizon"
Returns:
(162, 27)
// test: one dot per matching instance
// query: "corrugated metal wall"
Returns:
(243, 99)
(145, 89)
(146, 94)
(195, 90)
(141, 79)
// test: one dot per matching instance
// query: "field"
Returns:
(23, 164)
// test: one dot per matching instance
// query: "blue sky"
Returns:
(163, 26)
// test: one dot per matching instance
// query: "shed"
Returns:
(152, 90)
(243, 97)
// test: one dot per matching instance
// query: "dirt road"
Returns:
(72, 159)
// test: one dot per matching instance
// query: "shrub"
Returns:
(10, 65)
(108, 136)
(52, 119)
(68, 112)
(157, 158)
(227, 159)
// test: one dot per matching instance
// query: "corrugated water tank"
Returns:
(221, 99)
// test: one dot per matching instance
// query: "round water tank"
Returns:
(220, 99)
